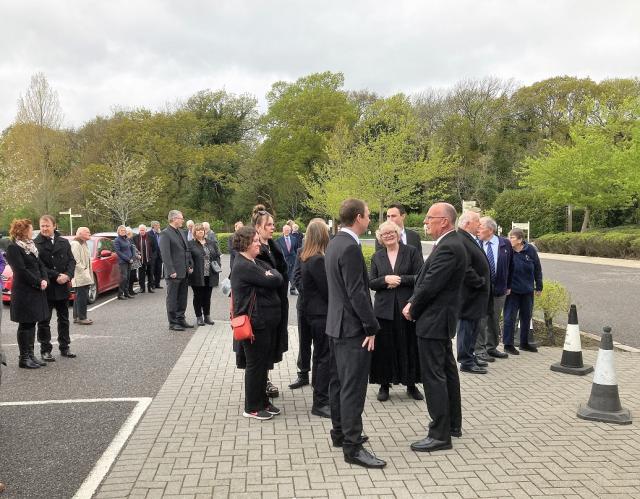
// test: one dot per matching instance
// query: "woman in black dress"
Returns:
(255, 292)
(393, 273)
(204, 277)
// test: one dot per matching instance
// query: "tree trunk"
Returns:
(548, 322)
(585, 220)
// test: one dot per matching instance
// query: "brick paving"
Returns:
(521, 436)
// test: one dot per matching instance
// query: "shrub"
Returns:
(523, 205)
(367, 252)
(554, 299)
(223, 240)
(606, 243)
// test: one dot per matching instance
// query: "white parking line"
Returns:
(102, 466)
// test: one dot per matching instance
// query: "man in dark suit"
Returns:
(351, 327)
(177, 263)
(289, 246)
(435, 306)
(156, 261)
(396, 213)
(145, 244)
(475, 295)
(500, 257)
(55, 252)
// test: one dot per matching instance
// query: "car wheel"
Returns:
(93, 290)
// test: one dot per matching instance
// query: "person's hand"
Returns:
(369, 343)
(406, 312)
(508, 292)
(190, 270)
(130, 261)
(393, 281)
(174, 275)
(43, 284)
(62, 278)
(538, 293)
(269, 273)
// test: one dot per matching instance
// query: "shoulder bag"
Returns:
(241, 324)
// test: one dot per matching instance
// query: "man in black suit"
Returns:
(475, 295)
(147, 248)
(351, 327)
(156, 261)
(289, 246)
(396, 213)
(435, 306)
(177, 263)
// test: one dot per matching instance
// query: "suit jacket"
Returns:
(151, 248)
(504, 267)
(436, 299)
(57, 259)
(314, 284)
(413, 239)
(28, 301)
(289, 255)
(477, 280)
(196, 278)
(350, 312)
(175, 252)
(155, 238)
(407, 266)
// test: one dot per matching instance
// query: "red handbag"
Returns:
(241, 324)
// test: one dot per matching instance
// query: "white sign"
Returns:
(526, 226)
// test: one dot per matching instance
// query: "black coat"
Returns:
(413, 239)
(314, 285)
(477, 280)
(196, 278)
(28, 301)
(151, 247)
(407, 266)
(175, 252)
(436, 299)
(350, 312)
(57, 259)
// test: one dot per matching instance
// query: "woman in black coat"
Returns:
(393, 273)
(204, 277)
(28, 297)
(254, 292)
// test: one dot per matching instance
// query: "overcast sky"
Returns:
(130, 53)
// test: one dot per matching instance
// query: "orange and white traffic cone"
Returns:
(571, 361)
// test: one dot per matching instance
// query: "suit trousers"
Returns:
(44, 327)
(350, 364)
(177, 294)
(441, 387)
(321, 372)
(156, 265)
(515, 304)
(305, 339)
(80, 303)
(124, 268)
(489, 336)
(468, 330)
(145, 273)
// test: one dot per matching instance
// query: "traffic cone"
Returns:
(571, 361)
(604, 402)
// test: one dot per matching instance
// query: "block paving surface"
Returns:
(521, 436)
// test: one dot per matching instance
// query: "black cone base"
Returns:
(578, 371)
(616, 417)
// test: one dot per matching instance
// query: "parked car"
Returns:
(104, 263)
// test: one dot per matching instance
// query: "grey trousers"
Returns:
(489, 336)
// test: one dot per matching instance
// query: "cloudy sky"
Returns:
(99, 55)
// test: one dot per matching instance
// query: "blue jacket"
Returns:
(526, 271)
(504, 267)
(124, 249)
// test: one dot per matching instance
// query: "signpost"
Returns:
(524, 226)
(71, 217)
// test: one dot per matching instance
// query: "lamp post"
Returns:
(71, 217)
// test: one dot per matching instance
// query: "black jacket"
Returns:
(175, 252)
(477, 280)
(196, 278)
(407, 266)
(436, 299)
(413, 239)
(151, 247)
(57, 259)
(28, 301)
(315, 286)
(350, 312)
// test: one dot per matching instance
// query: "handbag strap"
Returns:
(251, 303)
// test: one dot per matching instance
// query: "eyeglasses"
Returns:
(429, 217)
(389, 234)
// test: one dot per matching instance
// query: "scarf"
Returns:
(28, 246)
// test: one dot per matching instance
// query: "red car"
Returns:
(104, 263)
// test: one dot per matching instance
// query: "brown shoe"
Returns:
(85, 322)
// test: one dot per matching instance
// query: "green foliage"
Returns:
(368, 251)
(553, 300)
(524, 205)
(623, 243)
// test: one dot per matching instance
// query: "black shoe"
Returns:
(207, 320)
(41, 363)
(159, 287)
(272, 390)
(68, 353)
(322, 411)
(497, 354)
(186, 324)
(383, 393)
(26, 363)
(123, 297)
(511, 349)
(364, 458)
(301, 380)
(200, 321)
(456, 432)
(473, 369)
(130, 296)
(430, 444)
(176, 327)
(485, 358)
(151, 290)
(413, 391)
(480, 362)
(528, 348)
(272, 409)
(46, 356)
(338, 441)
(141, 291)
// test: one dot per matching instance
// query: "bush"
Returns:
(605, 243)
(553, 300)
(414, 220)
(367, 252)
(523, 205)
(223, 240)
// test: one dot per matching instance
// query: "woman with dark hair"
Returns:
(28, 298)
(255, 292)
(262, 221)
(393, 273)
(314, 308)
(204, 277)
(526, 280)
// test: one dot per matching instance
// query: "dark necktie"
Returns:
(492, 262)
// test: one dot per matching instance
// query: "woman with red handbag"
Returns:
(255, 298)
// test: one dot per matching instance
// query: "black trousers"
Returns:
(468, 330)
(177, 293)
(156, 265)
(441, 386)
(145, 273)
(304, 343)
(44, 327)
(80, 303)
(350, 364)
(26, 336)
(321, 372)
(124, 268)
(202, 298)
(257, 369)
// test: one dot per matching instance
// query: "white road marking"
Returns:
(102, 466)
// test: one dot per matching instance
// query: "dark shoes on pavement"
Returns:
(480, 363)
(430, 445)
(85, 322)
(456, 432)
(48, 357)
(364, 458)
(413, 392)
(497, 354)
(176, 327)
(208, 320)
(511, 349)
(323, 411)
(473, 370)
(383, 393)
(26, 362)
(338, 441)
(301, 380)
(528, 348)
(200, 321)
(485, 358)
(260, 415)
(186, 324)
(68, 353)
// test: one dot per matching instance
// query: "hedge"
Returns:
(623, 243)
(223, 240)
